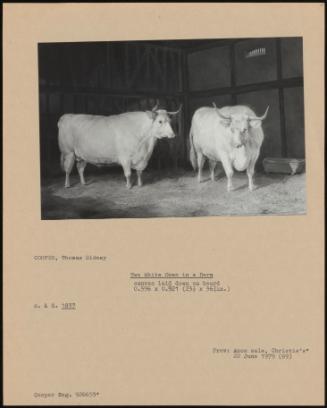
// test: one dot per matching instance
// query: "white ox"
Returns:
(232, 135)
(127, 139)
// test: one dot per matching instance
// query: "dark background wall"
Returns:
(109, 78)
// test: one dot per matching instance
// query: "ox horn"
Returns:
(175, 113)
(260, 117)
(156, 106)
(219, 113)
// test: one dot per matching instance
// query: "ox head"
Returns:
(161, 119)
(239, 125)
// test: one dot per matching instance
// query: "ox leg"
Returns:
(68, 164)
(212, 166)
(81, 164)
(229, 172)
(139, 178)
(127, 172)
(250, 172)
(200, 159)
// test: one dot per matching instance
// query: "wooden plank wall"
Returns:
(148, 74)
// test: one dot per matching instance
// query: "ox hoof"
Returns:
(129, 186)
(253, 187)
(67, 186)
(230, 189)
(139, 184)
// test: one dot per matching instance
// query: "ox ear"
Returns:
(151, 114)
(255, 123)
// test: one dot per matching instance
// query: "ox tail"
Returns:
(192, 151)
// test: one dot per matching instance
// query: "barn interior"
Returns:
(106, 78)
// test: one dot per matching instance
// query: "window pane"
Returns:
(294, 115)
(258, 68)
(209, 68)
(292, 57)
(259, 101)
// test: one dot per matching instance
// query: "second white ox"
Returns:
(127, 139)
(232, 135)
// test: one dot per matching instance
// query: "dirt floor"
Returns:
(171, 194)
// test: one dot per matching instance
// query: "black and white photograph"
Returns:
(172, 128)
